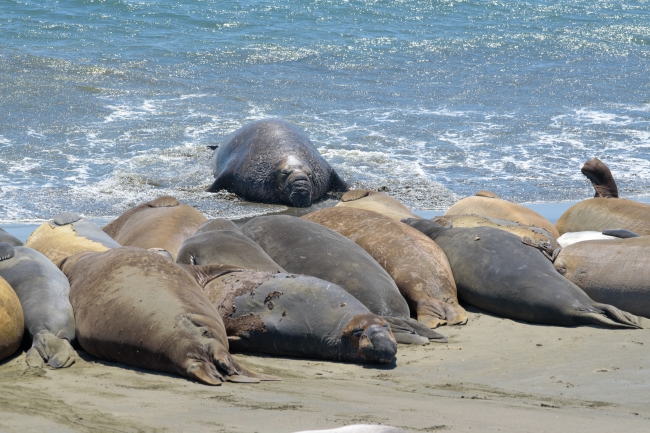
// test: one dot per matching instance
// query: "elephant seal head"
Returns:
(295, 180)
(601, 178)
(370, 336)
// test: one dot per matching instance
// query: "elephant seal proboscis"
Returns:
(43, 291)
(295, 315)
(135, 307)
(376, 201)
(495, 207)
(304, 247)
(496, 272)
(67, 234)
(272, 161)
(9, 238)
(225, 247)
(615, 272)
(359, 428)
(601, 178)
(161, 223)
(534, 236)
(12, 321)
(417, 265)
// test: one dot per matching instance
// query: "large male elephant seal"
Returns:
(12, 324)
(304, 247)
(615, 272)
(295, 315)
(9, 238)
(135, 307)
(272, 161)
(494, 207)
(43, 291)
(68, 234)
(376, 201)
(161, 223)
(498, 273)
(417, 265)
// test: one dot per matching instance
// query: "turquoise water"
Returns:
(106, 104)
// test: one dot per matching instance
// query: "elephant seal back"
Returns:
(12, 323)
(598, 214)
(376, 201)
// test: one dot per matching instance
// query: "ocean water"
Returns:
(106, 104)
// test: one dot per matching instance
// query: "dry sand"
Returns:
(493, 375)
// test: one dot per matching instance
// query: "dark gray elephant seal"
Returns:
(136, 307)
(295, 315)
(9, 238)
(304, 247)
(43, 291)
(272, 161)
(498, 273)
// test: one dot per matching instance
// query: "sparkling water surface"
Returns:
(106, 104)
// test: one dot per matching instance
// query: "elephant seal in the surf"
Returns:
(12, 321)
(495, 207)
(304, 247)
(615, 272)
(601, 178)
(225, 247)
(376, 201)
(417, 265)
(43, 291)
(68, 234)
(498, 273)
(295, 315)
(161, 223)
(272, 161)
(9, 238)
(135, 307)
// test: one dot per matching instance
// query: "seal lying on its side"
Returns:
(615, 272)
(12, 324)
(43, 291)
(417, 265)
(496, 272)
(68, 234)
(136, 307)
(376, 201)
(161, 223)
(295, 315)
(304, 247)
(272, 161)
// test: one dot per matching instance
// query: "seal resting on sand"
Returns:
(498, 273)
(417, 265)
(272, 161)
(161, 223)
(135, 307)
(295, 315)
(12, 324)
(376, 201)
(43, 291)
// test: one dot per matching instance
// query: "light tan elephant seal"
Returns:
(376, 201)
(12, 324)
(598, 214)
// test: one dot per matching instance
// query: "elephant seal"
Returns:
(272, 161)
(9, 238)
(225, 247)
(295, 315)
(12, 321)
(615, 272)
(161, 223)
(67, 234)
(417, 265)
(497, 208)
(530, 235)
(376, 201)
(601, 178)
(135, 307)
(218, 224)
(598, 214)
(304, 247)
(43, 291)
(496, 272)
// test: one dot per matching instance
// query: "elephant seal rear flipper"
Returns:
(620, 233)
(408, 331)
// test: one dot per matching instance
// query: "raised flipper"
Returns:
(57, 352)
(620, 233)
(338, 184)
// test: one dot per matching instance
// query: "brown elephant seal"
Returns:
(376, 201)
(43, 291)
(295, 315)
(135, 307)
(501, 209)
(598, 214)
(498, 273)
(218, 224)
(161, 223)
(304, 247)
(534, 236)
(9, 238)
(615, 272)
(12, 324)
(601, 178)
(272, 161)
(417, 265)
(68, 234)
